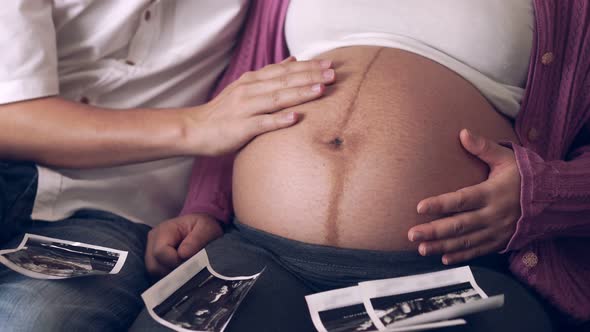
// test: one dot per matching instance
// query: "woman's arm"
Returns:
(555, 197)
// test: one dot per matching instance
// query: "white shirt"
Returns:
(116, 54)
(487, 42)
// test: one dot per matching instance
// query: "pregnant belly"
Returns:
(351, 173)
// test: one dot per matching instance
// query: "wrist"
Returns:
(194, 138)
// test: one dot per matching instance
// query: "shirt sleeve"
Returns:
(552, 232)
(28, 66)
(210, 188)
(555, 197)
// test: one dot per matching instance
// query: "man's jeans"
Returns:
(18, 185)
(97, 303)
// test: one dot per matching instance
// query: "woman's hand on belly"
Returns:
(482, 217)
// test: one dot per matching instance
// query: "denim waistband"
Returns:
(328, 267)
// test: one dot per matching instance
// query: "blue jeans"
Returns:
(97, 303)
(294, 269)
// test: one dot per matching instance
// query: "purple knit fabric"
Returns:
(551, 245)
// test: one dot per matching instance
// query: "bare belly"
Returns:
(383, 138)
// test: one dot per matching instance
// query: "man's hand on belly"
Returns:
(482, 218)
(176, 240)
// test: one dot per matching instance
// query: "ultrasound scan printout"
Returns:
(343, 310)
(196, 298)
(425, 298)
(43, 257)
(339, 310)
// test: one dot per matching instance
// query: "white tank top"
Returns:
(487, 42)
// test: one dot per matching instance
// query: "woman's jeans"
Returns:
(293, 269)
(96, 303)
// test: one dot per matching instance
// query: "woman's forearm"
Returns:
(555, 197)
(57, 132)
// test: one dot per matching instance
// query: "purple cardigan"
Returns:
(550, 250)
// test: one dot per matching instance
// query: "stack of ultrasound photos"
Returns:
(413, 303)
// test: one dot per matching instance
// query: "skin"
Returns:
(175, 240)
(334, 151)
(178, 239)
(60, 133)
(482, 218)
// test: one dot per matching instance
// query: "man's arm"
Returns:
(56, 132)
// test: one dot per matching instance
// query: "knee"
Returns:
(24, 309)
(40, 305)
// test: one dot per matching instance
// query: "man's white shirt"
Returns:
(117, 54)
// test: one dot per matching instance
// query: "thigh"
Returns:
(275, 303)
(98, 303)
(18, 186)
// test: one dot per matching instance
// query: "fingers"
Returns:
(287, 66)
(444, 228)
(488, 151)
(203, 231)
(298, 79)
(464, 199)
(281, 99)
(460, 243)
(465, 255)
(265, 123)
(160, 257)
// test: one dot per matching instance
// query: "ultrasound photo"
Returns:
(48, 258)
(352, 318)
(339, 310)
(194, 297)
(394, 308)
(205, 303)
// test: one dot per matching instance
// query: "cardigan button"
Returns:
(530, 259)
(547, 58)
(533, 135)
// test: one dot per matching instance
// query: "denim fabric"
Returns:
(18, 186)
(97, 303)
(294, 269)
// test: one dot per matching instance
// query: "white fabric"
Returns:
(117, 54)
(487, 42)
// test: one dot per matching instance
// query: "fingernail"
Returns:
(325, 64)
(316, 88)
(328, 74)
(445, 260)
(422, 249)
(417, 236)
(290, 117)
(422, 208)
